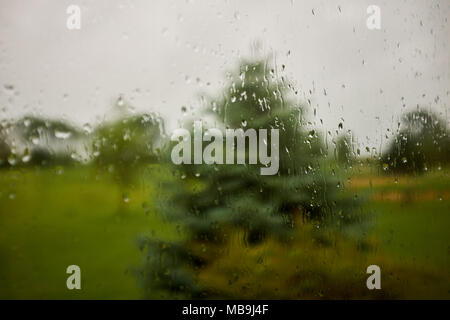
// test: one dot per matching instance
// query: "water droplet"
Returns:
(12, 160)
(62, 135)
(87, 128)
(26, 158)
(120, 102)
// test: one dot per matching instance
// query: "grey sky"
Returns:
(160, 54)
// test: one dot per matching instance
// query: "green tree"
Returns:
(210, 202)
(123, 146)
(44, 141)
(422, 142)
(4, 151)
(344, 149)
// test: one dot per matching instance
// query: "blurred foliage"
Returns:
(344, 151)
(38, 141)
(32, 127)
(308, 269)
(123, 145)
(210, 203)
(4, 151)
(422, 142)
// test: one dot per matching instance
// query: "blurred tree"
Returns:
(4, 151)
(32, 127)
(43, 141)
(344, 149)
(124, 145)
(210, 202)
(422, 142)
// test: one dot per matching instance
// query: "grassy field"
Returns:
(51, 219)
(412, 215)
(55, 217)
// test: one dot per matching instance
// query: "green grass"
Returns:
(412, 215)
(55, 217)
(415, 232)
(49, 221)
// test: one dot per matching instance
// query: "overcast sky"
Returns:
(160, 54)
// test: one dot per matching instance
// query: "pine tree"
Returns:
(210, 202)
